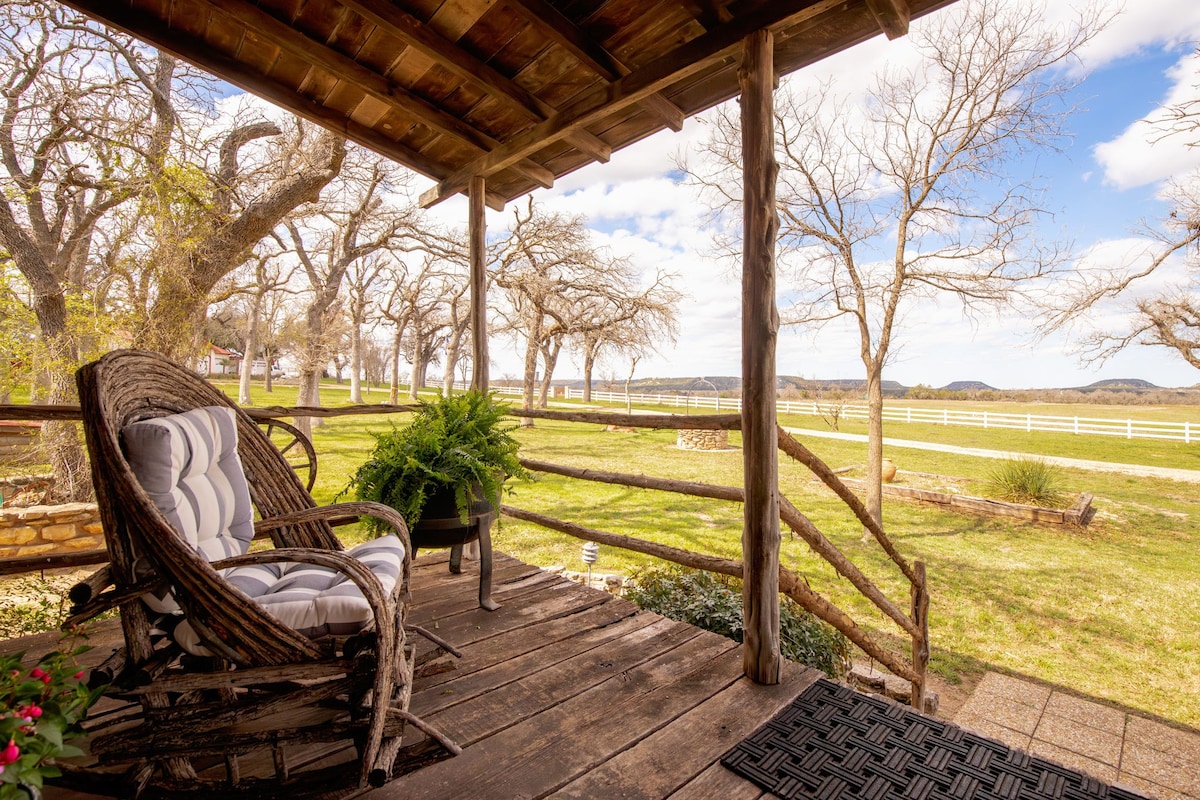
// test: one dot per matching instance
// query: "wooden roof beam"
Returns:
(261, 24)
(417, 34)
(196, 52)
(685, 60)
(555, 26)
(892, 16)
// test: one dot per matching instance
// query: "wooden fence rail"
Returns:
(1186, 432)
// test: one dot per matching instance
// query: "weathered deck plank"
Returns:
(563, 690)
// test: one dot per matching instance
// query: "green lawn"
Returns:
(1110, 611)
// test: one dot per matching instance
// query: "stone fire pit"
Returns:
(690, 439)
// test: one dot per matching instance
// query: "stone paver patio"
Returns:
(1108, 743)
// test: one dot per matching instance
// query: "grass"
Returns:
(1110, 611)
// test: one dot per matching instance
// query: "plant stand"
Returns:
(451, 532)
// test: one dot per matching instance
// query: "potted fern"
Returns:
(444, 472)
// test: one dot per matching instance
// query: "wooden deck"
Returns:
(570, 692)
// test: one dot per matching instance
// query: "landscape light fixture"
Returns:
(591, 552)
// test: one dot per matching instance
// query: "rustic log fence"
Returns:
(914, 623)
(1129, 428)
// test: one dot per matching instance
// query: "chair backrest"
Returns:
(122, 390)
(188, 464)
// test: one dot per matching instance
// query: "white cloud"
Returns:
(1141, 155)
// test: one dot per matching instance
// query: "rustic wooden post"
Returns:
(920, 641)
(477, 226)
(760, 323)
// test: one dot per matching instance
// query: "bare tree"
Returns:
(910, 194)
(354, 222)
(560, 286)
(361, 281)
(73, 106)
(627, 325)
(267, 279)
(1158, 317)
(416, 306)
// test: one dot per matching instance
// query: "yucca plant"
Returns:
(1032, 481)
(460, 442)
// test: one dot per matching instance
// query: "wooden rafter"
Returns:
(558, 28)
(392, 20)
(124, 18)
(687, 59)
(892, 16)
(285, 37)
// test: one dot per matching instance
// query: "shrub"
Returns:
(1031, 481)
(714, 602)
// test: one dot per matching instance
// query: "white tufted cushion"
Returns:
(316, 601)
(188, 464)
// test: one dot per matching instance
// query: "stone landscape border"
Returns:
(1079, 514)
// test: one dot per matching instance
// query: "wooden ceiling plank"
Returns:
(373, 84)
(421, 37)
(551, 22)
(892, 15)
(282, 35)
(633, 88)
(194, 51)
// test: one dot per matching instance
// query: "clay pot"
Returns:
(888, 471)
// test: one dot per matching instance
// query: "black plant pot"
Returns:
(441, 526)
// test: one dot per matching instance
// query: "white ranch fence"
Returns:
(1186, 432)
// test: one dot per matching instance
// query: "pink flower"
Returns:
(36, 672)
(79, 675)
(35, 711)
(10, 753)
(45, 679)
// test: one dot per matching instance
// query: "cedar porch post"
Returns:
(477, 226)
(760, 323)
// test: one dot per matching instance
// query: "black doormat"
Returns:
(833, 743)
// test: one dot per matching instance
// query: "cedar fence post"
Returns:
(477, 225)
(760, 323)
(920, 641)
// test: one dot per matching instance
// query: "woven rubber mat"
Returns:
(833, 743)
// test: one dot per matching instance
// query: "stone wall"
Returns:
(40, 530)
(702, 440)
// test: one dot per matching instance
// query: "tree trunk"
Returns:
(418, 367)
(549, 361)
(874, 479)
(268, 377)
(453, 348)
(394, 388)
(356, 362)
(251, 346)
(530, 377)
(589, 362)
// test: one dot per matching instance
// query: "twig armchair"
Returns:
(240, 667)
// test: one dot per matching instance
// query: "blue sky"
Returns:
(1108, 180)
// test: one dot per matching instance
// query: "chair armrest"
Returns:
(341, 514)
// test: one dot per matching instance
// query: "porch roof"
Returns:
(520, 92)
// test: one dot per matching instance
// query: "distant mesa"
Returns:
(1118, 383)
(968, 386)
